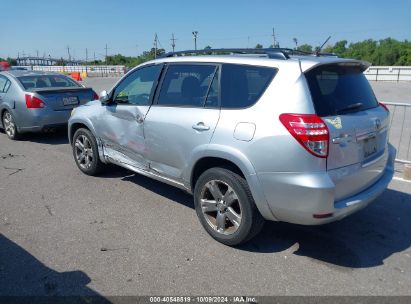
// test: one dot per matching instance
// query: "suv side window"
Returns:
(4, 84)
(243, 85)
(138, 87)
(186, 85)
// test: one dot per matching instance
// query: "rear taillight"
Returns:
(33, 102)
(384, 106)
(309, 130)
(95, 96)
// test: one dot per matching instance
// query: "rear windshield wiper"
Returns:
(349, 108)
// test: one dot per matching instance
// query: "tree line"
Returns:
(387, 51)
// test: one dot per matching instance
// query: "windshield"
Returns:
(46, 81)
(337, 89)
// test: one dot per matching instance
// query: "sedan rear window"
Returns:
(337, 89)
(46, 81)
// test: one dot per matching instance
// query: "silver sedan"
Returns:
(33, 101)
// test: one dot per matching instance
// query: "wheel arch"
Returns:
(232, 159)
(76, 124)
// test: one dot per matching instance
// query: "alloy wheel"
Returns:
(84, 152)
(9, 125)
(221, 207)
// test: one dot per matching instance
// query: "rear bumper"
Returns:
(36, 120)
(296, 197)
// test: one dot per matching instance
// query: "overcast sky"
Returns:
(128, 27)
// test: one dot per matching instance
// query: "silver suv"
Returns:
(254, 135)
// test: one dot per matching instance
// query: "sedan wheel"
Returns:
(10, 126)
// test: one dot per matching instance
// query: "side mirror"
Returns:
(104, 97)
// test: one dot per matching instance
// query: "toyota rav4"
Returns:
(254, 135)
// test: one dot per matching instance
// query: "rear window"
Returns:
(243, 85)
(46, 81)
(339, 89)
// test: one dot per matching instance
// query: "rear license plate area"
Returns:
(370, 146)
(70, 101)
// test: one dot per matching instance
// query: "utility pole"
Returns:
(173, 42)
(94, 55)
(274, 42)
(68, 52)
(106, 48)
(86, 59)
(195, 34)
(155, 45)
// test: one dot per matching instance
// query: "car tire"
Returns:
(9, 125)
(225, 207)
(85, 152)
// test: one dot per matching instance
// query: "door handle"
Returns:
(139, 118)
(201, 127)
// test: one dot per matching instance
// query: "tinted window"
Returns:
(334, 89)
(186, 85)
(138, 87)
(46, 81)
(242, 85)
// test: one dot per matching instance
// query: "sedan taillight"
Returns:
(310, 131)
(95, 96)
(33, 102)
(384, 106)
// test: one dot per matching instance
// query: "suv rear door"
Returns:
(358, 126)
(183, 117)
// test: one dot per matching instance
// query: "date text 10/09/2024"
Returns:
(202, 299)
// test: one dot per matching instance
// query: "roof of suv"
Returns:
(306, 62)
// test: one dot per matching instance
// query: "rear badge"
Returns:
(336, 122)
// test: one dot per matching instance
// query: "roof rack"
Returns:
(273, 53)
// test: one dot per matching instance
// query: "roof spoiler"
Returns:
(363, 65)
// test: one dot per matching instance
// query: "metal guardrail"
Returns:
(400, 130)
(92, 70)
(388, 73)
